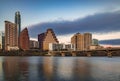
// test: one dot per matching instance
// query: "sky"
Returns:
(66, 17)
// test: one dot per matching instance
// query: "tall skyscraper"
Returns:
(18, 21)
(24, 39)
(46, 38)
(82, 41)
(11, 36)
(2, 40)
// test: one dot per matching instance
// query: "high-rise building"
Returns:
(82, 41)
(78, 41)
(95, 42)
(11, 36)
(24, 39)
(2, 40)
(18, 21)
(40, 40)
(46, 38)
(87, 40)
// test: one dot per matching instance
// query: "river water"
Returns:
(59, 69)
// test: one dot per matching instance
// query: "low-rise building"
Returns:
(34, 44)
(9, 48)
(61, 47)
(95, 42)
(94, 47)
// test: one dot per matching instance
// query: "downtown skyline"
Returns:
(66, 18)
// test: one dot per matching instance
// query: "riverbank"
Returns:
(46, 53)
(23, 53)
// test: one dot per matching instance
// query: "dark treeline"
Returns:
(23, 53)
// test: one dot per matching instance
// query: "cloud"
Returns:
(97, 23)
(110, 42)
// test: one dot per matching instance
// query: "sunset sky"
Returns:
(66, 17)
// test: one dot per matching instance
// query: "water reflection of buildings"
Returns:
(24, 67)
(11, 69)
(82, 68)
(65, 68)
(15, 69)
(48, 68)
(73, 69)
(1, 70)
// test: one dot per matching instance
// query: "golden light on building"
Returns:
(82, 41)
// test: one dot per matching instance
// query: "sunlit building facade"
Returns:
(49, 38)
(46, 38)
(82, 41)
(11, 36)
(78, 41)
(87, 40)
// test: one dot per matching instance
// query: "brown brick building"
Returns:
(40, 39)
(24, 39)
(82, 41)
(46, 38)
(11, 36)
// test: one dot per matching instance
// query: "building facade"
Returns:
(34, 44)
(40, 40)
(61, 47)
(49, 38)
(55, 47)
(78, 41)
(82, 41)
(24, 39)
(87, 40)
(2, 40)
(11, 36)
(46, 38)
(95, 42)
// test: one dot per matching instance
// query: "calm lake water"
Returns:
(59, 69)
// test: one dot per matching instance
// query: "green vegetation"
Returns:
(23, 53)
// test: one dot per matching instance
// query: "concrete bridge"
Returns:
(102, 52)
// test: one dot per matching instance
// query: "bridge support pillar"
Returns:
(74, 54)
(109, 54)
(51, 53)
(88, 54)
(62, 54)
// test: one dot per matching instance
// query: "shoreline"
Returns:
(58, 54)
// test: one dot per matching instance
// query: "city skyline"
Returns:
(101, 18)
